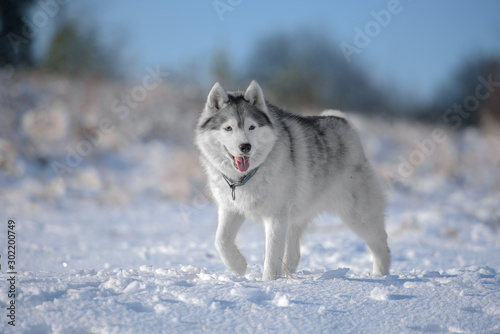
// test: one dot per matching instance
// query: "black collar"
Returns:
(233, 184)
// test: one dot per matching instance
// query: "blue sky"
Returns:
(416, 52)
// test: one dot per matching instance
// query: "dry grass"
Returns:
(41, 115)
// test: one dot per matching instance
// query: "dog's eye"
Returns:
(228, 128)
(252, 127)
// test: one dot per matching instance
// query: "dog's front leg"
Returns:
(228, 227)
(275, 230)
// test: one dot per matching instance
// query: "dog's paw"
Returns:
(240, 269)
(270, 276)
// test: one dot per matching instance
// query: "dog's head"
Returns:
(235, 131)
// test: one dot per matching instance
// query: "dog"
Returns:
(269, 165)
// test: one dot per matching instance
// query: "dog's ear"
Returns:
(255, 96)
(217, 97)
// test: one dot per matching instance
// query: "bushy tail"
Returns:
(332, 112)
(339, 114)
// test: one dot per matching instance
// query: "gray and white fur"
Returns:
(306, 166)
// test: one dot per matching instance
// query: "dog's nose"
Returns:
(245, 148)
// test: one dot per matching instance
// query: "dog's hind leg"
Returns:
(229, 225)
(372, 231)
(363, 213)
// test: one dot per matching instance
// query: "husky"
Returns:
(269, 165)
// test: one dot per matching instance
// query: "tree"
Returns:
(77, 52)
(471, 96)
(306, 69)
(221, 68)
(15, 36)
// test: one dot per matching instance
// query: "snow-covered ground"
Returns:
(151, 267)
(111, 250)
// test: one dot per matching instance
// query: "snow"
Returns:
(143, 268)
(107, 251)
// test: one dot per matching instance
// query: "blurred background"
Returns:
(99, 99)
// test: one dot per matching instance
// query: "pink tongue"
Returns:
(242, 163)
